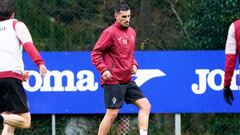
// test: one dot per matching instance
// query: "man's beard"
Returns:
(125, 26)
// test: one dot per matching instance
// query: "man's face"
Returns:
(123, 17)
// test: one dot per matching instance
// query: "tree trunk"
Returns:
(144, 18)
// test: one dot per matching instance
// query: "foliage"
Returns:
(210, 124)
(207, 22)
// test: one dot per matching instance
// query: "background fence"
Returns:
(74, 25)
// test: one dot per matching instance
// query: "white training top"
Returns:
(10, 47)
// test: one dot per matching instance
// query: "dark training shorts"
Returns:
(13, 98)
(116, 94)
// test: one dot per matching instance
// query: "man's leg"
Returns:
(107, 121)
(22, 120)
(143, 114)
(8, 130)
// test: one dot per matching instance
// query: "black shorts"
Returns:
(13, 98)
(116, 94)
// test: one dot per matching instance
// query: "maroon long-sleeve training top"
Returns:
(114, 51)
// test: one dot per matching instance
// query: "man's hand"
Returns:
(106, 75)
(25, 76)
(227, 94)
(134, 69)
(42, 70)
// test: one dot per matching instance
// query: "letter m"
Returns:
(57, 84)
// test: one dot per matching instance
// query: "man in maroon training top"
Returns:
(113, 56)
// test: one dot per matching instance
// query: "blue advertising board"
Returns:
(173, 81)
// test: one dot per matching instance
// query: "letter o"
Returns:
(211, 79)
(38, 82)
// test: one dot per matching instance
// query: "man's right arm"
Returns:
(97, 54)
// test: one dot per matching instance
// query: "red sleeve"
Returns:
(135, 62)
(33, 53)
(99, 49)
(229, 68)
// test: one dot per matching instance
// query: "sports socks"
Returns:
(143, 131)
(1, 119)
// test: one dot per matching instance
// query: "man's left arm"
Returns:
(230, 62)
(134, 66)
(25, 38)
(134, 62)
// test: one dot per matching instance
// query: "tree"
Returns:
(208, 22)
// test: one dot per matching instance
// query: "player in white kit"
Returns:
(14, 37)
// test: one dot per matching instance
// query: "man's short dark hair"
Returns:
(121, 7)
(6, 9)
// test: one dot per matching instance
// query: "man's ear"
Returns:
(116, 15)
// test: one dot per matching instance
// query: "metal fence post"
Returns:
(177, 124)
(53, 124)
